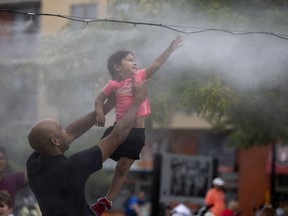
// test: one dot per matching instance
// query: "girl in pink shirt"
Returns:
(123, 69)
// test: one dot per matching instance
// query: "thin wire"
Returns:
(176, 28)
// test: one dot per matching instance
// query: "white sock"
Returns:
(108, 200)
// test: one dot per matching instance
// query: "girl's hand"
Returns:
(176, 43)
(100, 121)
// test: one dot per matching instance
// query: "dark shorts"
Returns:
(131, 147)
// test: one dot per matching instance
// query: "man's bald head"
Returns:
(40, 134)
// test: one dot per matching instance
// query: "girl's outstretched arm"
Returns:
(160, 60)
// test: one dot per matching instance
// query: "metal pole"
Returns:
(273, 173)
(155, 210)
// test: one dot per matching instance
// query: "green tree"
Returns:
(256, 115)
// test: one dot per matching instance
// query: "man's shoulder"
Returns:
(33, 156)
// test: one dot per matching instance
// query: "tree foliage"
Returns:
(257, 116)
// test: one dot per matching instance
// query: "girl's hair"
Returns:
(5, 199)
(116, 58)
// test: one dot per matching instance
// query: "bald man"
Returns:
(57, 181)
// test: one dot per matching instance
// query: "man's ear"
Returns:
(54, 140)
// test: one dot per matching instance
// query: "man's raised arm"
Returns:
(80, 126)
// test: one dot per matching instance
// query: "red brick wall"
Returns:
(253, 182)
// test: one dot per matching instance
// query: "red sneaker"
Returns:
(100, 206)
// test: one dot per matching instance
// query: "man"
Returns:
(11, 182)
(216, 197)
(58, 182)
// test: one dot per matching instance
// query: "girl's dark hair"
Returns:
(116, 58)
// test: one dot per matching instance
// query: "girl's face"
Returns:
(128, 66)
(5, 210)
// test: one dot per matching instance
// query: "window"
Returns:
(82, 11)
(20, 33)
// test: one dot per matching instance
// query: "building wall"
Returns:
(5, 22)
(253, 182)
(183, 142)
(63, 7)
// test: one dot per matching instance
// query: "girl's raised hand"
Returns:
(176, 43)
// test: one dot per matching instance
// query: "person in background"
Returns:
(282, 208)
(215, 196)
(133, 205)
(122, 67)
(267, 210)
(232, 210)
(6, 204)
(11, 182)
(58, 182)
(181, 210)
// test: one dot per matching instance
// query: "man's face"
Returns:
(2, 162)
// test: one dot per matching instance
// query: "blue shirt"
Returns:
(128, 210)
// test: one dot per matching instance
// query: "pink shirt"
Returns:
(124, 97)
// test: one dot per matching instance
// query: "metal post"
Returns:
(273, 173)
(155, 210)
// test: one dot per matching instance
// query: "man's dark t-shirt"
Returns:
(58, 182)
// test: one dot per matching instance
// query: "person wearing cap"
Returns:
(216, 197)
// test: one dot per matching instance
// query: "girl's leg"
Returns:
(120, 173)
(121, 170)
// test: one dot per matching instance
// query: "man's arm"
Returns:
(80, 126)
(99, 109)
(158, 62)
(125, 124)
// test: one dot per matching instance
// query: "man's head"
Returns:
(48, 138)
